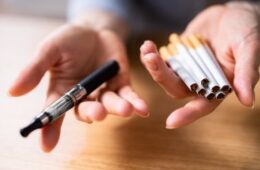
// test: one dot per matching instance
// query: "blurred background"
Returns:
(38, 8)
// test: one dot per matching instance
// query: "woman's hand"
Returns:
(70, 54)
(233, 31)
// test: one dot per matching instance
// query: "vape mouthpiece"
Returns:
(36, 124)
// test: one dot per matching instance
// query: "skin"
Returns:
(78, 48)
(233, 32)
(69, 54)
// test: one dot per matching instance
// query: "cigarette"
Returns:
(179, 69)
(173, 50)
(165, 54)
(220, 95)
(210, 61)
(209, 95)
(186, 58)
(210, 81)
(201, 91)
(230, 90)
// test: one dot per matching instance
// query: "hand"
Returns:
(233, 32)
(69, 54)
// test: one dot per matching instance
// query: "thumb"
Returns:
(246, 71)
(31, 75)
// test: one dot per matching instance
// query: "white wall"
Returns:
(45, 8)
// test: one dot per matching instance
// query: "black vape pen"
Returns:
(72, 97)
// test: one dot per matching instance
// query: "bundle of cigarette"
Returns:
(193, 61)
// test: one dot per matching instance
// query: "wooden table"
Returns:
(229, 138)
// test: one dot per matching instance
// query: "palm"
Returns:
(234, 38)
(70, 54)
(76, 59)
(233, 34)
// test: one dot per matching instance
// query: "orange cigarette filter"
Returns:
(172, 49)
(175, 39)
(195, 41)
(202, 40)
(165, 54)
(187, 42)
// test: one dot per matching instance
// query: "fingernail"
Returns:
(171, 122)
(146, 115)
(253, 105)
(170, 127)
(88, 120)
(142, 49)
(147, 41)
(143, 115)
(144, 43)
(9, 91)
(8, 94)
(150, 63)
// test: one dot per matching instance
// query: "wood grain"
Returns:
(229, 138)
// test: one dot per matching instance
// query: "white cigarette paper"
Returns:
(187, 60)
(173, 50)
(209, 95)
(179, 69)
(210, 61)
(220, 95)
(201, 91)
(193, 61)
(212, 83)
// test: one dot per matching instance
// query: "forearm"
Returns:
(102, 20)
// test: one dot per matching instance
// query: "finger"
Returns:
(50, 133)
(89, 111)
(159, 71)
(246, 71)
(116, 105)
(139, 105)
(192, 111)
(31, 75)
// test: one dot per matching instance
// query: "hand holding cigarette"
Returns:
(70, 54)
(233, 35)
